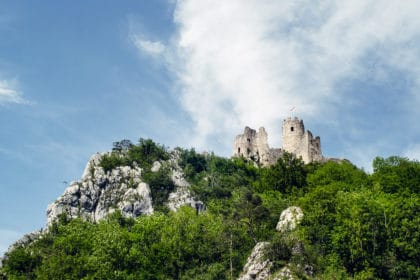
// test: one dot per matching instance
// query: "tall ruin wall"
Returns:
(253, 145)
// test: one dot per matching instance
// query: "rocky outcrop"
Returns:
(289, 219)
(257, 265)
(99, 193)
(182, 195)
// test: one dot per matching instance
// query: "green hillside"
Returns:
(356, 225)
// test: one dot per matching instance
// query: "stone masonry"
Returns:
(254, 145)
(300, 142)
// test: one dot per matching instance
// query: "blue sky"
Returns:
(77, 75)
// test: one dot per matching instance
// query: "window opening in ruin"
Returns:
(249, 140)
(248, 151)
(239, 150)
(291, 129)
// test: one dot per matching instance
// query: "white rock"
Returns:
(289, 219)
(181, 195)
(156, 166)
(92, 163)
(98, 194)
(178, 179)
(284, 274)
(257, 265)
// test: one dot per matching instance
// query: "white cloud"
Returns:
(248, 62)
(149, 47)
(9, 92)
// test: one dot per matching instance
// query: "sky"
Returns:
(76, 76)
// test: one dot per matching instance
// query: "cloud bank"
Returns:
(249, 62)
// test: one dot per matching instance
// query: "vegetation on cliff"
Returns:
(355, 226)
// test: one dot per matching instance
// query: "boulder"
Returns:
(289, 219)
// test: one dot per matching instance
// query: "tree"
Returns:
(397, 174)
(287, 173)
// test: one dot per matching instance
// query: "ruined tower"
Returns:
(292, 134)
(253, 145)
(300, 142)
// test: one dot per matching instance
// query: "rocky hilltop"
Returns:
(99, 192)
(124, 219)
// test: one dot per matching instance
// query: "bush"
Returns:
(161, 185)
(111, 161)
(124, 153)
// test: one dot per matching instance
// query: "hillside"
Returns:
(143, 211)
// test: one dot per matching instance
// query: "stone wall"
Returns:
(300, 142)
(253, 145)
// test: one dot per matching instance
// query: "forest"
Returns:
(356, 225)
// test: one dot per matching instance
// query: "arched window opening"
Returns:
(292, 128)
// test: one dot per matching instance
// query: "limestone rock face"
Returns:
(257, 265)
(181, 195)
(289, 219)
(156, 166)
(98, 193)
(284, 274)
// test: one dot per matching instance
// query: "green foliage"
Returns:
(111, 161)
(146, 152)
(397, 174)
(222, 176)
(192, 163)
(275, 202)
(331, 172)
(289, 172)
(125, 153)
(122, 145)
(248, 209)
(161, 185)
(355, 225)
(180, 245)
(21, 263)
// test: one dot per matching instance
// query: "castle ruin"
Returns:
(253, 145)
